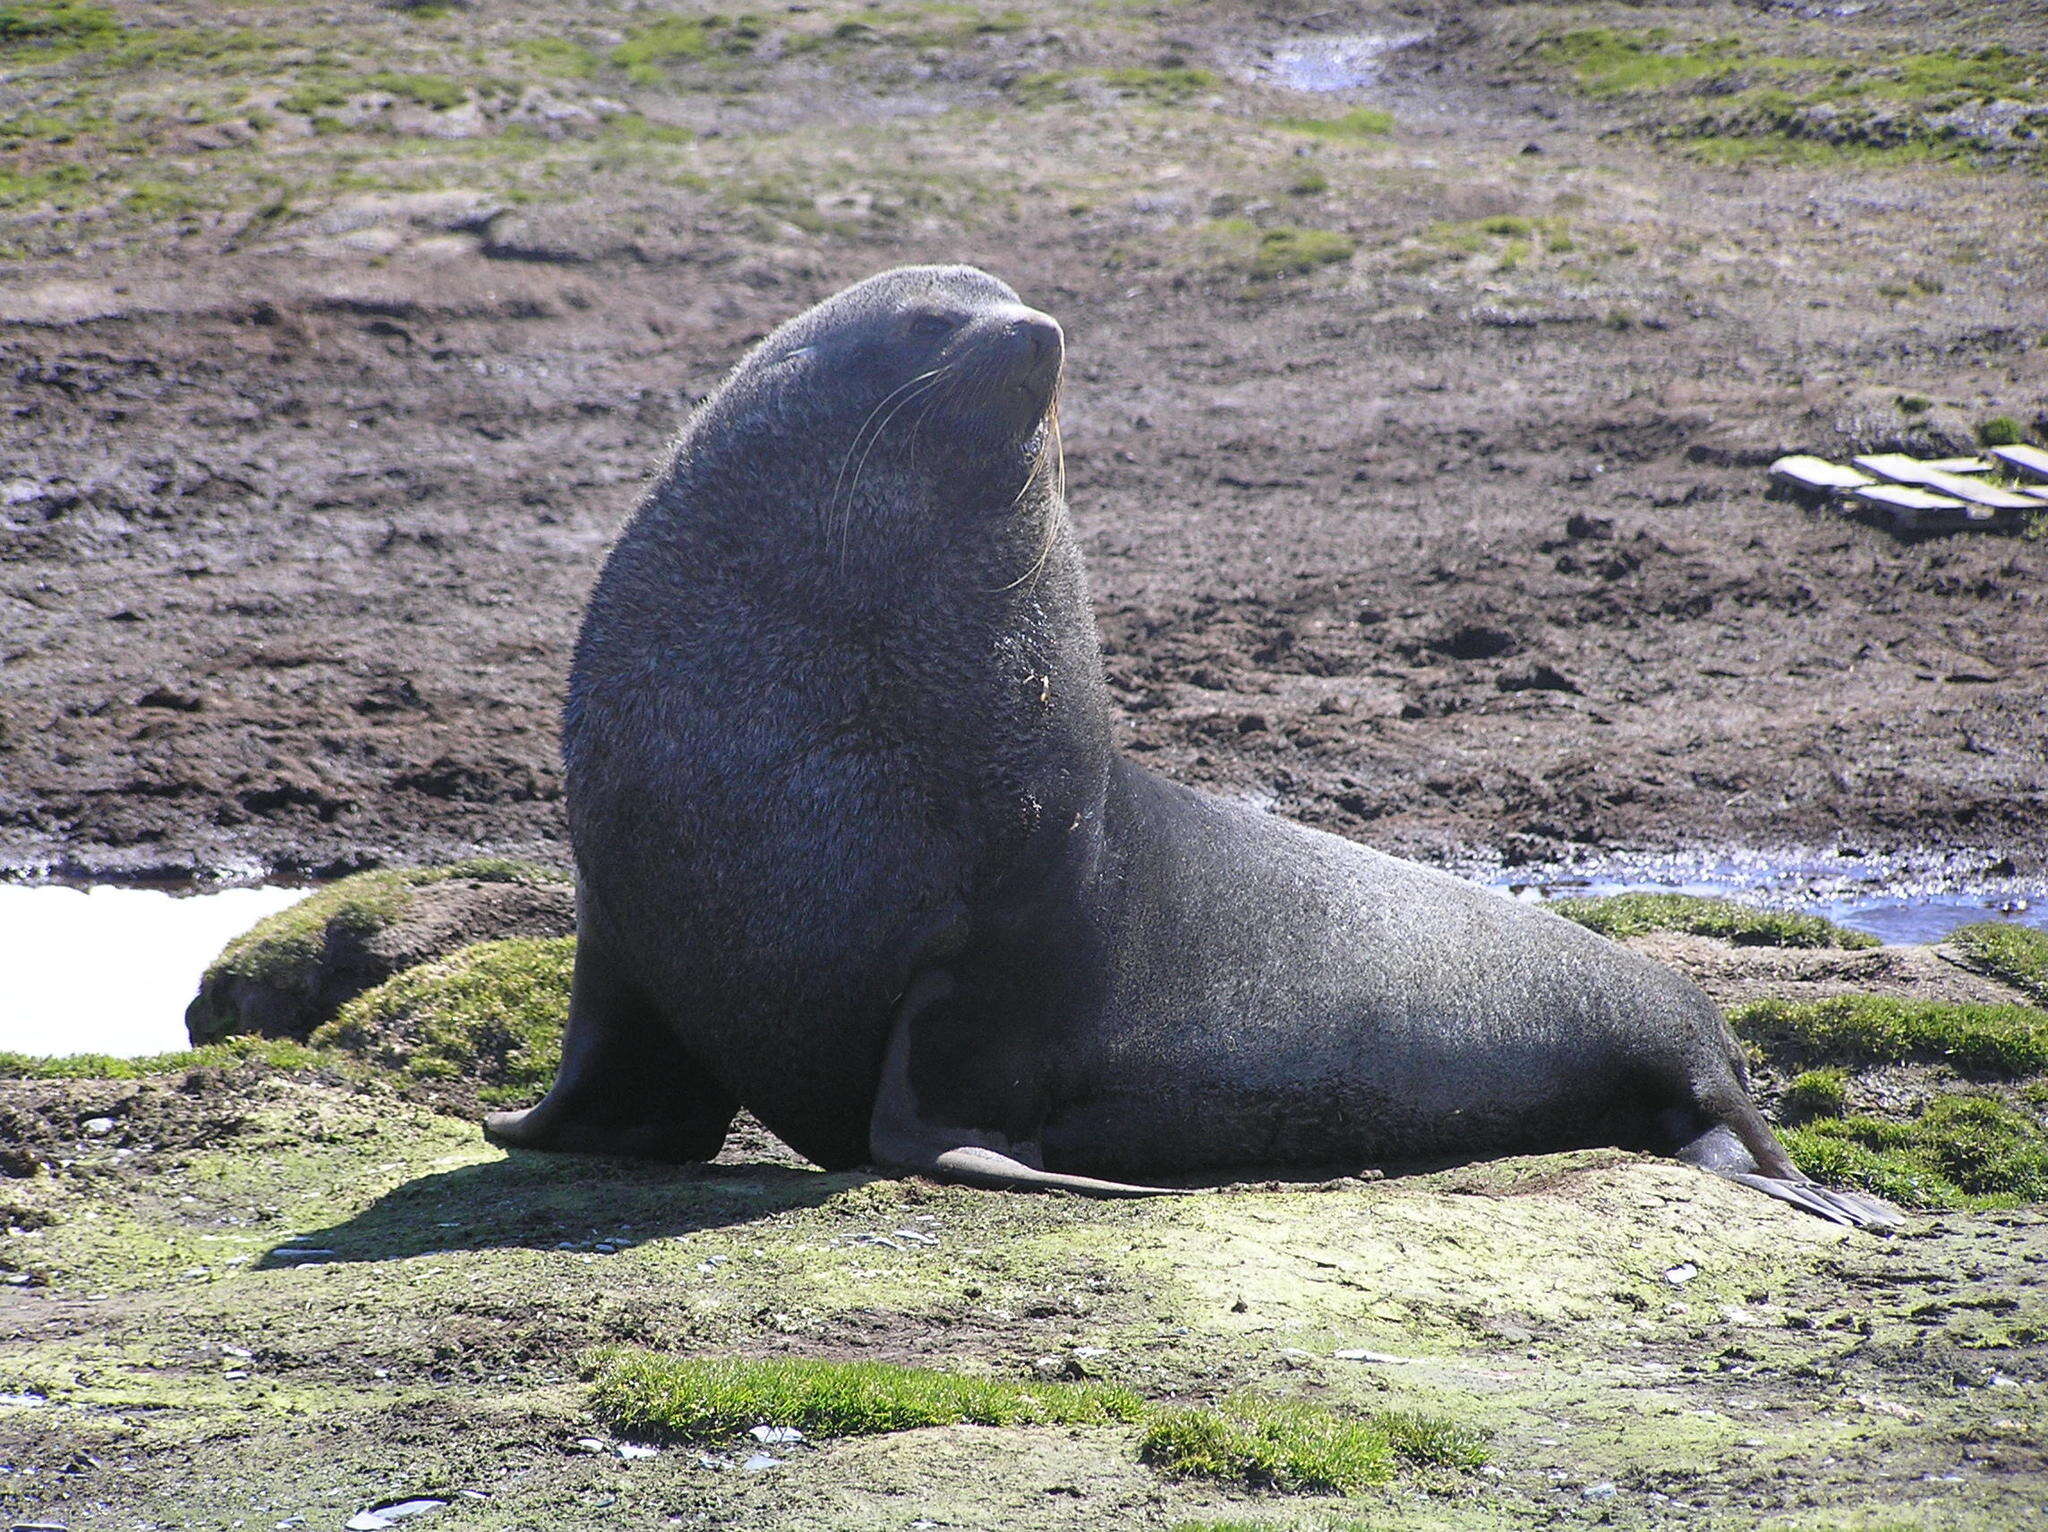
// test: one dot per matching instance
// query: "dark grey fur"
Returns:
(856, 850)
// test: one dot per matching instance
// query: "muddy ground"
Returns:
(326, 390)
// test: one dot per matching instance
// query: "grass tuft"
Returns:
(270, 1052)
(1819, 1093)
(1270, 1444)
(1963, 1151)
(56, 24)
(2016, 954)
(696, 1399)
(2001, 431)
(1360, 122)
(2009, 1040)
(1620, 915)
(491, 1014)
(1289, 251)
(1259, 1443)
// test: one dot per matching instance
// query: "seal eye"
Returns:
(929, 325)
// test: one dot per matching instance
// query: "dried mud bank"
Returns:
(1416, 430)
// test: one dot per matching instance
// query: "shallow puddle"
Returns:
(1344, 61)
(1892, 903)
(111, 970)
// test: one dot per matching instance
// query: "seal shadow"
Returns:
(540, 1201)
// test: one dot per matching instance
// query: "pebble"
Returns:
(98, 1127)
(381, 1516)
(1681, 1274)
(1597, 1492)
(631, 1450)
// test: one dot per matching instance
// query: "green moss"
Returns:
(2001, 431)
(2016, 954)
(558, 56)
(56, 24)
(1620, 915)
(270, 1052)
(1963, 1151)
(699, 1399)
(278, 945)
(31, 188)
(1165, 86)
(1309, 182)
(491, 1014)
(1289, 251)
(433, 90)
(2010, 1040)
(1361, 122)
(1819, 1093)
(1606, 61)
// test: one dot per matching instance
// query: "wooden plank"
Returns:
(1901, 469)
(1818, 474)
(1914, 510)
(2030, 461)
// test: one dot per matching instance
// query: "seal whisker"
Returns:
(840, 511)
(1055, 453)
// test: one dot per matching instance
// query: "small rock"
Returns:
(97, 1127)
(592, 1444)
(1354, 1355)
(379, 1517)
(1681, 1274)
(760, 1462)
(632, 1450)
(1597, 1492)
(776, 1436)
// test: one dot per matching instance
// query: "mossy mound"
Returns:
(1963, 1151)
(2016, 954)
(293, 971)
(2007, 1040)
(1620, 915)
(489, 1016)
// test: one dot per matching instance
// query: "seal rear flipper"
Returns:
(902, 1136)
(625, 1085)
(1721, 1150)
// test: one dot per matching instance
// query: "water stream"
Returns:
(110, 970)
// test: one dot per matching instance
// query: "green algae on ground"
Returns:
(273, 1053)
(698, 1399)
(1619, 915)
(2016, 954)
(279, 945)
(2009, 1040)
(490, 1015)
(1963, 1151)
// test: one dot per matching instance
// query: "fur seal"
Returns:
(856, 849)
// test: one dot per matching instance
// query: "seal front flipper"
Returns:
(625, 1084)
(903, 1136)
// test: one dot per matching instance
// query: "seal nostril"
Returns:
(1035, 337)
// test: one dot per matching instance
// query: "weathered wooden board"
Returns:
(1818, 474)
(2030, 461)
(1901, 469)
(1912, 509)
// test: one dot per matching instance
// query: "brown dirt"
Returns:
(1449, 560)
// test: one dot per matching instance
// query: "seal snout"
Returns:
(1023, 353)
